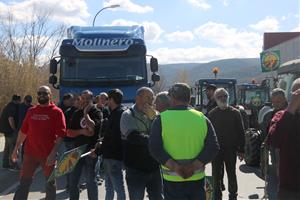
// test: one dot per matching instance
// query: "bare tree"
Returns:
(25, 48)
(34, 41)
(160, 85)
(182, 76)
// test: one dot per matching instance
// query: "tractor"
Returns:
(252, 97)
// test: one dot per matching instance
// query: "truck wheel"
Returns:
(252, 147)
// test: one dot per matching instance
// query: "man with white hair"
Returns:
(229, 128)
(284, 134)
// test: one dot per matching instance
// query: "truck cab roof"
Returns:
(134, 32)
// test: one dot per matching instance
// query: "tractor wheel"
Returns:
(252, 147)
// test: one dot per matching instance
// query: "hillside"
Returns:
(243, 69)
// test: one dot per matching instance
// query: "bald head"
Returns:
(44, 88)
(144, 96)
(296, 85)
(43, 95)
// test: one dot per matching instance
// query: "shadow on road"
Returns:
(272, 181)
(249, 169)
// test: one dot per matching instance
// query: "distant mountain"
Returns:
(243, 69)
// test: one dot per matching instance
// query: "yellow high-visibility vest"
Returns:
(183, 136)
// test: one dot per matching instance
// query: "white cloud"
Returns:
(200, 54)
(228, 43)
(200, 4)
(152, 30)
(267, 24)
(129, 6)
(225, 2)
(66, 11)
(180, 36)
(297, 29)
(228, 37)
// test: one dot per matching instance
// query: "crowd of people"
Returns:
(161, 142)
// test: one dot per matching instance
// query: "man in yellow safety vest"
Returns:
(183, 141)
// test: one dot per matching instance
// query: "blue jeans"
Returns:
(113, 179)
(138, 181)
(92, 188)
(189, 190)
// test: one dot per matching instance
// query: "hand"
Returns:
(188, 170)
(93, 153)
(191, 168)
(87, 109)
(149, 111)
(98, 145)
(69, 133)
(51, 159)
(175, 167)
(179, 169)
(14, 155)
(294, 105)
(240, 156)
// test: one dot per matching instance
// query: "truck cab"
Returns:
(287, 73)
(200, 97)
(101, 58)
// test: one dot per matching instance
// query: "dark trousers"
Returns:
(189, 190)
(137, 181)
(10, 141)
(30, 164)
(284, 194)
(92, 187)
(227, 156)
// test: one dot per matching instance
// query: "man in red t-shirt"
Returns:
(43, 128)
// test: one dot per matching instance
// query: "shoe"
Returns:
(82, 186)
(14, 168)
(223, 187)
(5, 166)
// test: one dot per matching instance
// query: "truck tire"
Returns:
(252, 147)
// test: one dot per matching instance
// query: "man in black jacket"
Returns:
(229, 128)
(142, 171)
(112, 148)
(84, 127)
(8, 126)
(209, 91)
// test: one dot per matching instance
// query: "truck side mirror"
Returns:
(53, 79)
(53, 66)
(153, 64)
(155, 77)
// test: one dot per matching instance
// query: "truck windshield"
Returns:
(256, 97)
(230, 89)
(103, 68)
(286, 81)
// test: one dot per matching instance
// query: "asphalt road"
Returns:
(251, 185)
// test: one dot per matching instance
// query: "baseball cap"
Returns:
(210, 87)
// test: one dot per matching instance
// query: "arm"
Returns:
(75, 133)
(211, 145)
(21, 138)
(129, 132)
(156, 145)
(241, 132)
(52, 156)
(12, 123)
(60, 133)
(89, 122)
(281, 125)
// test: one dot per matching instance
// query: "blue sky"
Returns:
(182, 30)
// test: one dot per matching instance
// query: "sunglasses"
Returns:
(42, 93)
